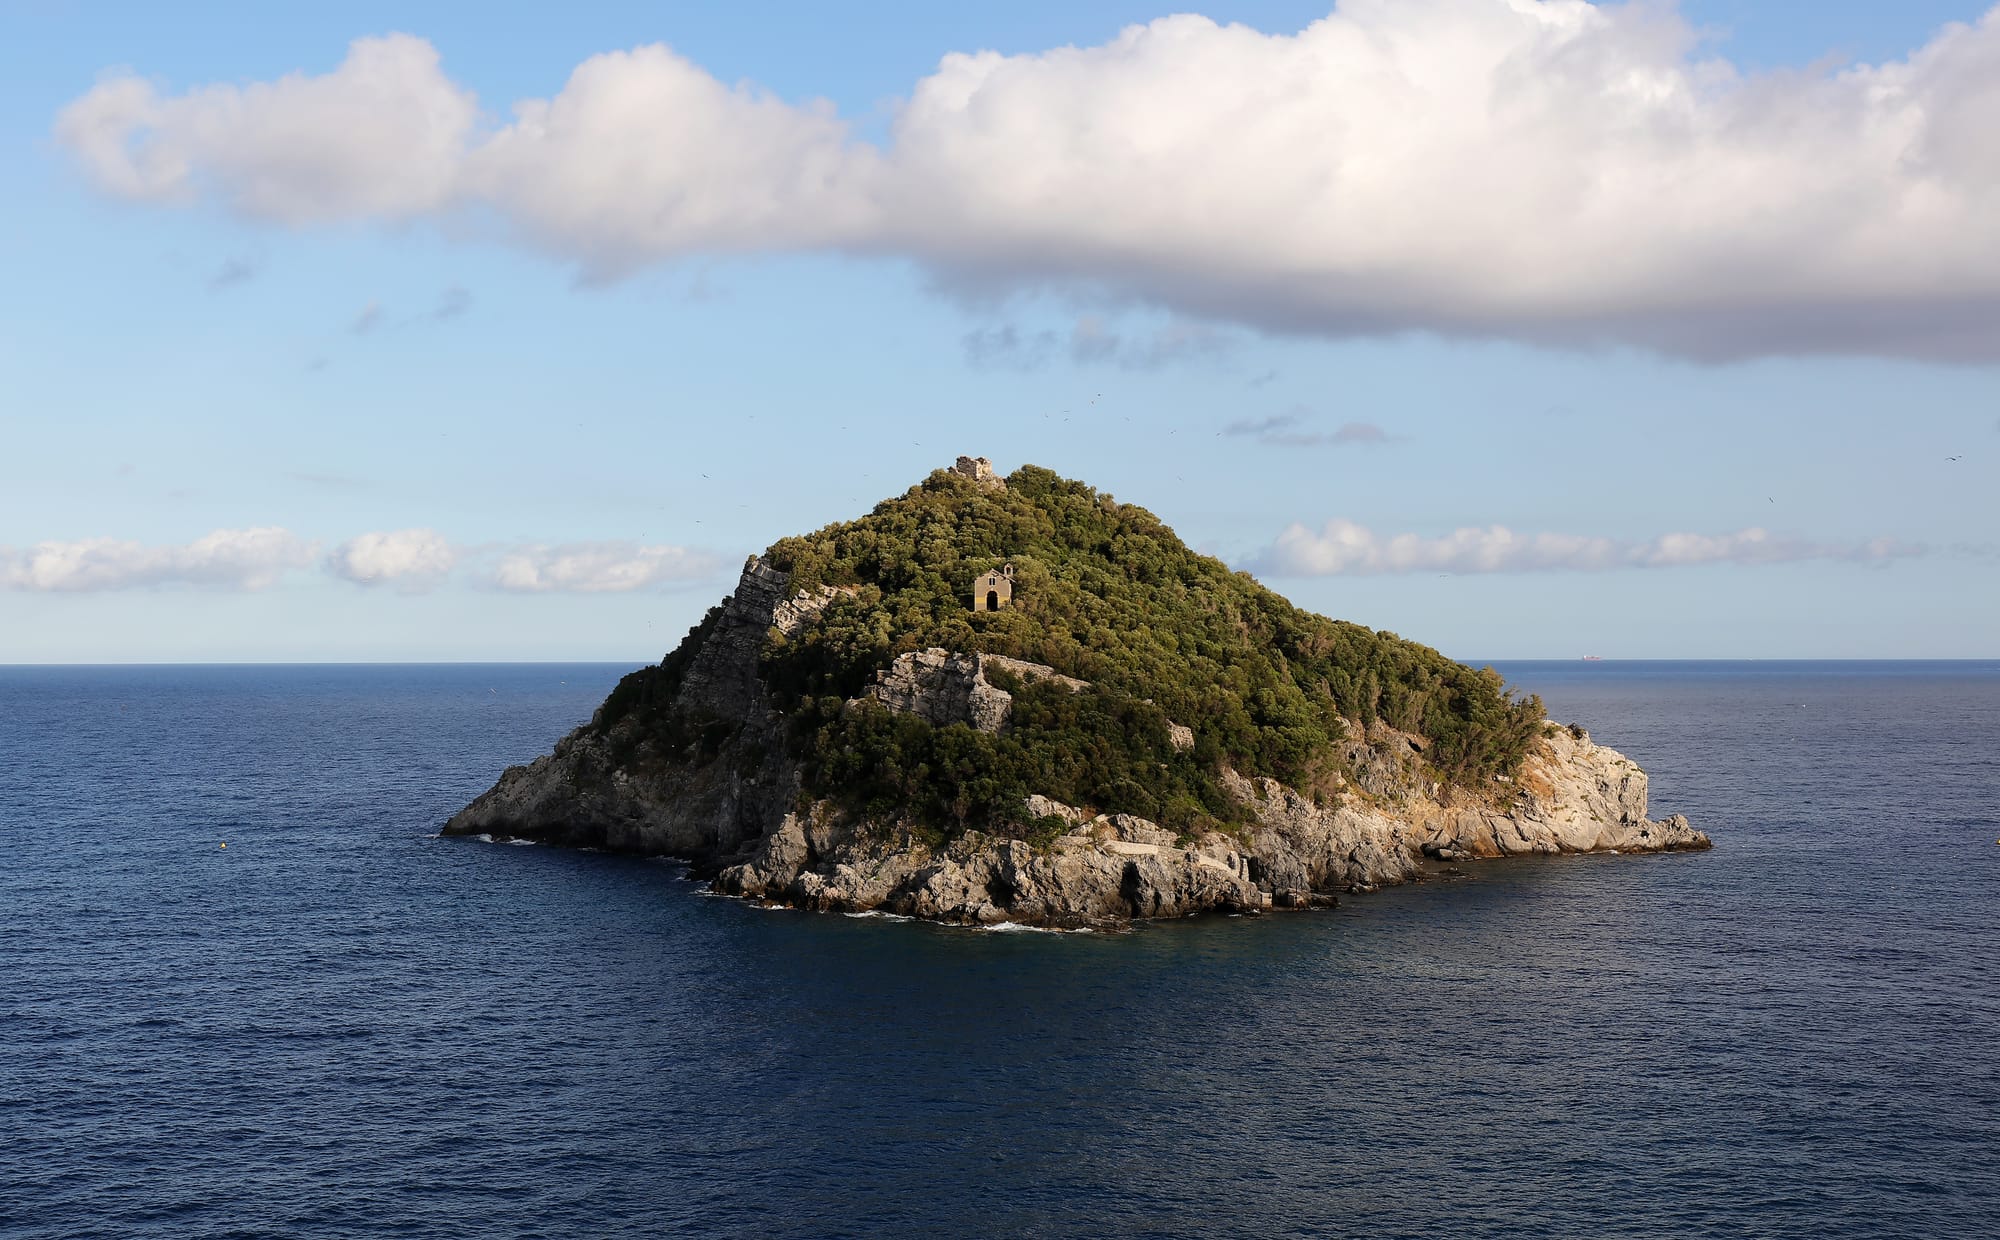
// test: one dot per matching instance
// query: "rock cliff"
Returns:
(943, 688)
(715, 775)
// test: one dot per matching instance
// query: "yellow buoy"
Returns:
(225, 845)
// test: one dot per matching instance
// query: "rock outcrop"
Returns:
(716, 787)
(1105, 870)
(943, 688)
(719, 786)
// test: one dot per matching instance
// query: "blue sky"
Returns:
(1654, 336)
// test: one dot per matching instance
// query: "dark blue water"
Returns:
(341, 1026)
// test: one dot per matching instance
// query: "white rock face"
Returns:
(797, 611)
(1106, 871)
(943, 688)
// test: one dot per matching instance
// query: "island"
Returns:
(1019, 700)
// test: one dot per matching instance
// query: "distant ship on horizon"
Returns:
(1593, 658)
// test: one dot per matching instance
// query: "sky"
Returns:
(1522, 328)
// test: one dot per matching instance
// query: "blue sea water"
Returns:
(341, 1025)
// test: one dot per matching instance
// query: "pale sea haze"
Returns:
(343, 1025)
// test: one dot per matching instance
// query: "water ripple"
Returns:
(342, 1025)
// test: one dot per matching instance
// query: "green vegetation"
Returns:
(650, 691)
(1106, 750)
(1106, 593)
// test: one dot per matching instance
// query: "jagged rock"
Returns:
(1572, 795)
(1039, 806)
(942, 688)
(723, 680)
(622, 791)
(791, 615)
(980, 879)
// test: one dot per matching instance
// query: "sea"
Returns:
(247, 990)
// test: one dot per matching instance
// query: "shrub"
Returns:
(1106, 593)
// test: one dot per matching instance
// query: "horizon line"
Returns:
(1995, 658)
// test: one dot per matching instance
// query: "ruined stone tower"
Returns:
(980, 470)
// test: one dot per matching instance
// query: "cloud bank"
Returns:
(1346, 548)
(598, 568)
(248, 559)
(1547, 171)
(412, 561)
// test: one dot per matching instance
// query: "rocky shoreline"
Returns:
(731, 805)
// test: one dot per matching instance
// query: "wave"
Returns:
(1015, 927)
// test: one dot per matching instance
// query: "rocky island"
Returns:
(1020, 700)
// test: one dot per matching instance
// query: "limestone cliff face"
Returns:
(718, 791)
(720, 788)
(942, 688)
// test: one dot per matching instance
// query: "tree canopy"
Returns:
(1104, 592)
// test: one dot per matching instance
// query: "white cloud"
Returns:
(598, 567)
(1343, 547)
(1542, 170)
(249, 559)
(410, 559)
(644, 155)
(385, 135)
